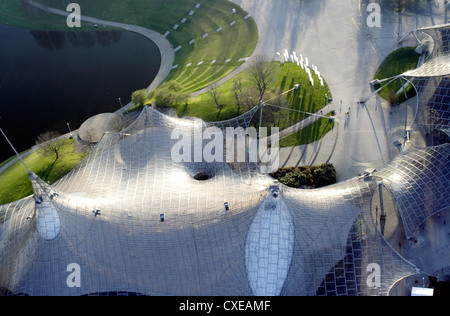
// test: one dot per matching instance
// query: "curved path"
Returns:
(165, 47)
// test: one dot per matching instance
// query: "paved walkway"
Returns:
(335, 37)
(307, 121)
(430, 248)
(234, 73)
(391, 226)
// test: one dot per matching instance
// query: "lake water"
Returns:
(49, 79)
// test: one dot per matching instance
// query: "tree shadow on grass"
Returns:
(218, 117)
(183, 110)
(45, 174)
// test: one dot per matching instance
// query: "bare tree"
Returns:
(215, 93)
(250, 98)
(261, 76)
(238, 93)
(50, 143)
(275, 108)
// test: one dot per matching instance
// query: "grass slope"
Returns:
(307, 99)
(309, 134)
(396, 63)
(14, 182)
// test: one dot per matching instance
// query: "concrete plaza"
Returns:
(336, 38)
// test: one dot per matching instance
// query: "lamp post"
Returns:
(120, 100)
(70, 131)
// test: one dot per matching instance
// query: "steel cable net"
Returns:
(135, 222)
(420, 182)
(432, 81)
(111, 209)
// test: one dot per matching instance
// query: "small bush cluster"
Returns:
(167, 95)
(304, 176)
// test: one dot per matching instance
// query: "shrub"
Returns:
(314, 176)
(296, 179)
(168, 95)
(325, 175)
(139, 97)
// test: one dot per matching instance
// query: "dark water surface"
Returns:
(49, 79)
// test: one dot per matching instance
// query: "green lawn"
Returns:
(306, 99)
(310, 134)
(14, 182)
(396, 63)
(12, 158)
(232, 43)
